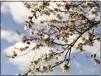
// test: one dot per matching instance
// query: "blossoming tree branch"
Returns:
(58, 23)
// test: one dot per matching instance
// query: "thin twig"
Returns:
(97, 51)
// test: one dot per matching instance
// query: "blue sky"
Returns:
(10, 23)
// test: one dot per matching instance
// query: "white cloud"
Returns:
(17, 10)
(4, 7)
(10, 36)
(24, 61)
(20, 13)
(94, 49)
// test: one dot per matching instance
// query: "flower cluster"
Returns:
(13, 55)
(96, 61)
(80, 46)
(65, 67)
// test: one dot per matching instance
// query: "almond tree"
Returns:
(65, 19)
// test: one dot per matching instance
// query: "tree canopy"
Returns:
(64, 26)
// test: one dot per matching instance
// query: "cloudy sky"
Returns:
(13, 15)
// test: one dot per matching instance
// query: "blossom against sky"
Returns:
(13, 14)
